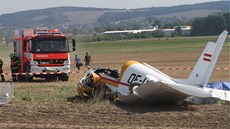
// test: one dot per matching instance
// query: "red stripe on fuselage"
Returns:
(122, 83)
(208, 55)
(208, 60)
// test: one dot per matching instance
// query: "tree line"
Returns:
(201, 26)
(211, 25)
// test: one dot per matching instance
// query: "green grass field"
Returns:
(139, 45)
(147, 45)
(39, 92)
(5, 50)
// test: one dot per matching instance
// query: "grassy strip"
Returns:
(44, 91)
(147, 45)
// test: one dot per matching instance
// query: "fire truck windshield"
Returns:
(49, 46)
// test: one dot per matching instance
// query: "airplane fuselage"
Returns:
(139, 73)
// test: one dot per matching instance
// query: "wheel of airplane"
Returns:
(133, 86)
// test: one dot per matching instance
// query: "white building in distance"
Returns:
(185, 31)
(129, 31)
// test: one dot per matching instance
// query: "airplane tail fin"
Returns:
(202, 71)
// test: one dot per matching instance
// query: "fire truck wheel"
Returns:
(29, 79)
(65, 78)
(21, 78)
(50, 78)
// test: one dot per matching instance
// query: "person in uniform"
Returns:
(15, 65)
(1, 70)
(87, 60)
(78, 62)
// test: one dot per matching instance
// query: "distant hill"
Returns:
(74, 16)
(193, 10)
(51, 17)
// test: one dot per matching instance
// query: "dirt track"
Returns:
(72, 115)
(106, 115)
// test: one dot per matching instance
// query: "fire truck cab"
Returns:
(43, 53)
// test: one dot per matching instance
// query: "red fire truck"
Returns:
(43, 53)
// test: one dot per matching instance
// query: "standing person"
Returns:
(78, 62)
(1, 71)
(15, 65)
(87, 60)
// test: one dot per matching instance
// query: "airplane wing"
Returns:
(162, 93)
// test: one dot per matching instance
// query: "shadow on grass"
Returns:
(78, 99)
(139, 108)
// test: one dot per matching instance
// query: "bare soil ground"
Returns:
(108, 115)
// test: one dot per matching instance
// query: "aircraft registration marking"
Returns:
(137, 78)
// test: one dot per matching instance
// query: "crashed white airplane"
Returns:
(138, 82)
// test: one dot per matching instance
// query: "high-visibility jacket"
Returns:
(15, 63)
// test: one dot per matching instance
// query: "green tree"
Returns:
(197, 25)
(211, 25)
(227, 21)
(158, 33)
(178, 31)
(214, 24)
(1, 38)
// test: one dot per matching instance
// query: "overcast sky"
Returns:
(10, 6)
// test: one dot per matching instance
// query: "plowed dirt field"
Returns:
(106, 115)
